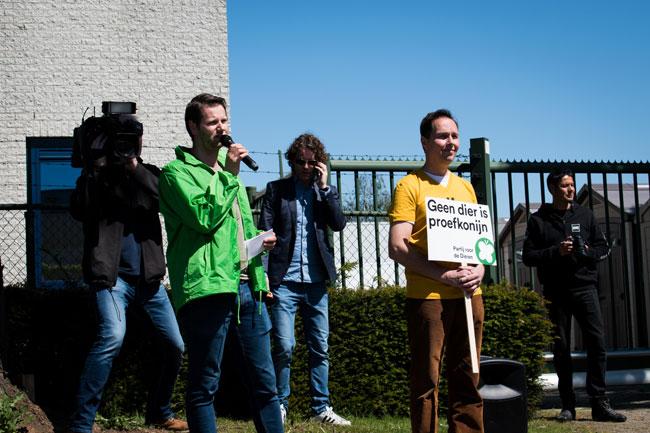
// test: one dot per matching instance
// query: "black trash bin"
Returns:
(503, 388)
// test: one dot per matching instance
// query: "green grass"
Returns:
(360, 425)
(551, 426)
(543, 423)
(389, 425)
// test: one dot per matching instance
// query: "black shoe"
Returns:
(566, 415)
(602, 411)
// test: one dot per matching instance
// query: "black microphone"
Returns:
(227, 141)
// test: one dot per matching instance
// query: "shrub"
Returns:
(369, 358)
(369, 355)
(516, 328)
(50, 333)
(12, 416)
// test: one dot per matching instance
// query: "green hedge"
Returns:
(369, 356)
(516, 327)
(369, 359)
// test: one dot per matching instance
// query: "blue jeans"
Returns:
(111, 308)
(205, 323)
(312, 300)
(253, 337)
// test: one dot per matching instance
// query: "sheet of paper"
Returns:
(254, 246)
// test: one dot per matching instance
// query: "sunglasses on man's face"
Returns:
(302, 162)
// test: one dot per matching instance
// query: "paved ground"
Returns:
(633, 401)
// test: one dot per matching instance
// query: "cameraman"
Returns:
(116, 199)
(564, 242)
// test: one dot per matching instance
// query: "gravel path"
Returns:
(632, 401)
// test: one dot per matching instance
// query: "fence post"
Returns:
(3, 321)
(280, 166)
(479, 161)
(251, 192)
(30, 219)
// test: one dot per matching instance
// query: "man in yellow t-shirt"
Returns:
(435, 306)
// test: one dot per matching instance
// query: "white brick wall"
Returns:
(58, 57)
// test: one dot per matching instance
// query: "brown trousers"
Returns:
(437, 327)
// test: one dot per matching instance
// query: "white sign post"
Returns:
(461, 232)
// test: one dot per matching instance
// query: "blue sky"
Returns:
(541, 80)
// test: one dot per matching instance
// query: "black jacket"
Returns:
(546, 229)
(104, 203)
(279, 214)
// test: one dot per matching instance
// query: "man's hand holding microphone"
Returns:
(236, 153)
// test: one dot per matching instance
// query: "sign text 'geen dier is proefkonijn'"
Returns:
(459, 232)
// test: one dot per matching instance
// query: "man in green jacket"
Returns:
(214, 285)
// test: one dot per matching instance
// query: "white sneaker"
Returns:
(283, 413)
(328, 416)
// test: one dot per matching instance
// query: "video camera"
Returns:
(115, 136)
(579, 246)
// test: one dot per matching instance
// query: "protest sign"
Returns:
(459, 232)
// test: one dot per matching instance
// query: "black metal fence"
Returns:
(618, 195)
(41, 244)
(616, 192)
(13, 243)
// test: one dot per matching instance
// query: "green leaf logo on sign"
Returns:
(485, 251)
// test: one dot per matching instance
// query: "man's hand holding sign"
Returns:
(461, 232)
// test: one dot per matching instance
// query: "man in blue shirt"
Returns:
(300, 209)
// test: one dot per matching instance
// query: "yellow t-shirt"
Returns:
(408, 205)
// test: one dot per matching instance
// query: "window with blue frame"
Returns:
(54, 238)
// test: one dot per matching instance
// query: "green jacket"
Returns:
(202, 254)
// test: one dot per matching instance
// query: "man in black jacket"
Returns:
(300, 209)
(564, 242)
(116, 199)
